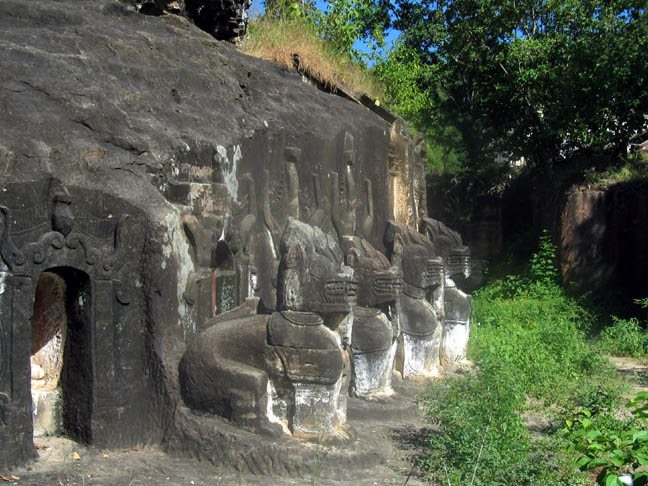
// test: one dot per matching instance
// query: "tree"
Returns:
(404, 77)
(534, 78)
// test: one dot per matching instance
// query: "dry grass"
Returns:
(280, 40)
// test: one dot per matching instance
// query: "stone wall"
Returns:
(603, 240)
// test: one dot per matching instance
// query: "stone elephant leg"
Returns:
(222, 372)
(456, 326)
(419, 347)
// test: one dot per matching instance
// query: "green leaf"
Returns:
(639, 435)
(582, 462)
(593, 434)
(642, 458)
(612, 479)
(596, 462)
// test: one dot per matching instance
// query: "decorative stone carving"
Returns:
(321, 215)
(224, 19)
(418, 351)
(458, 304)
(86, 241)
(376, 321)
(260, 246)
(289, 371)
(449, 246)
(344, 195)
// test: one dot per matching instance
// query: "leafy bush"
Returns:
(482, 438)
(612, 451)
(529, 326)
(624, 337)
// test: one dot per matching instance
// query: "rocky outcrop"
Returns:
(153, 171)
(603, 239)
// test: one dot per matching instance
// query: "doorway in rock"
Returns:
(224, 287)
(61, 354)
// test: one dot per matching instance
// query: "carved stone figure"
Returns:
(316, 293)
(376, 322)
(458, 304)
(224, 19)
(423, 274)
(287, 372)
(260, 234)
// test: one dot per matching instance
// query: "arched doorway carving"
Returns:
(95, 247)
(61, 362)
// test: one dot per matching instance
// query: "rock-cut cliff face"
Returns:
(149, 169)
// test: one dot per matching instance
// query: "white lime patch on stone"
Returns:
(275, 403)
(230, 168)
(175, 246)
(421, 355)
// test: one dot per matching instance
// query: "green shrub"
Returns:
(528, 340)
(482, 439)
(624, 337)
(612, 450)
(528, 325)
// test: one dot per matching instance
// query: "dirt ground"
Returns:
(396, 428)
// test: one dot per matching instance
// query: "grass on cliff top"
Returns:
(635, 168)
(279, 40)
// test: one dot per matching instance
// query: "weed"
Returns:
(634, 168)
(320, 455)
(222, 467)
(281, 39)
(624, 337)
(529, 341)
(612, 451)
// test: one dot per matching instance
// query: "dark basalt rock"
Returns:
(224, 19)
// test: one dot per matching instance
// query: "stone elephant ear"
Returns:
(295, 255)
(352, 257)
